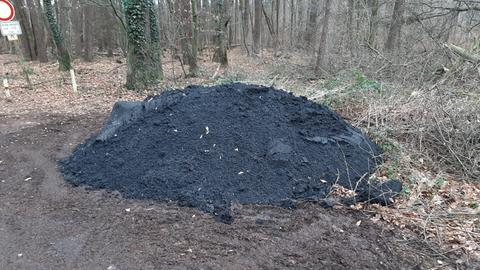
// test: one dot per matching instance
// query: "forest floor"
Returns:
(46, 224)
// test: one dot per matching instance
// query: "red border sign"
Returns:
(11, 14)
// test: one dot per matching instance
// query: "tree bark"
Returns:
(194, 70)
(373, 22)
(257, 28)
(27, 38)
(322, 49)
(63, 55)
(64, 20)
(184, 20)
(221, 27)
(245, 23)
(395, 30)
(87, 32)
(38, 28)
(143, 58)
(312, 24)
(292, 20)
(350, 16)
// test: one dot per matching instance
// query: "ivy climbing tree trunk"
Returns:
(144, 67)
(63, 55)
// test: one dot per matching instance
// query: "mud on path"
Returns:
(47, 224)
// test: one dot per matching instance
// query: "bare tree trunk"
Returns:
(75, 43)
(292, 20)
(235, 21)
(184, 22)
(271, 29)
(221, 26)
(312, 24)
(65, 21)
(108, 31)
(277, 26)
(194, 70)
(27, 39)
(373, 22)
(350, 12)
(38, 28)
(300, 15)
(322, 49)
(257, 28)
(245, 23)
(87, 32)
(394, 33)
(284, 22)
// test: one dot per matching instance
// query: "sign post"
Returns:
(10, 29)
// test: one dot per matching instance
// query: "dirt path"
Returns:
(46, 224)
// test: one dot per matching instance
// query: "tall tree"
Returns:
(374, 6)
(27, 39)
(292, 21)
(88, 12)
(322, 49)
(221, 25)
(38, 31)
(63, 55)
(194, 70)
(144, 66)
(395, 25)
(350, 16)
(312, 23)
(184, 20)
(245, 7)
(257, 28)
(64, 20)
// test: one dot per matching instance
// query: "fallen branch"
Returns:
(471, 57)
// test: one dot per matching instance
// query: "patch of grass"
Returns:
(473, 205)
(332, 84)
(350, 89)
(364, 83)
(440, 182)
(406, 191)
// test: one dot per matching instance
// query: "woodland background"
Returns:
(406, 72)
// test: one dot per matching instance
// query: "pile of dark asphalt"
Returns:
(209, 147)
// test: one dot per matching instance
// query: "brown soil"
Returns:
(47, 224)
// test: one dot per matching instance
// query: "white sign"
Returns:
(11, 28)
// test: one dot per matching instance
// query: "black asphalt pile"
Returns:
(209, 147)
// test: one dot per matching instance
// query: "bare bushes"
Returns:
(440, 123)
(446, 128)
